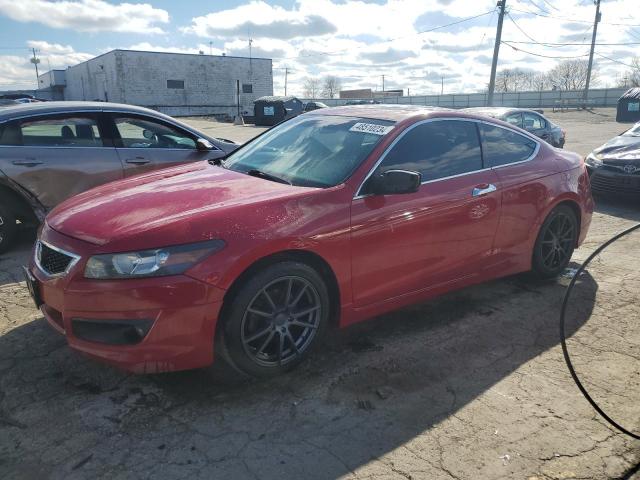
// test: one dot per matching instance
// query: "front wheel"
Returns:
(555, 243)
(275, 319)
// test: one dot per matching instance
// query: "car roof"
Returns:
(38, 108)
(497, 111)
(389, 112)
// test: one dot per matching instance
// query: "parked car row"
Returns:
(329, 218)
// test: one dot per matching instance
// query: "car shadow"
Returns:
(367, 391)
(10, 261)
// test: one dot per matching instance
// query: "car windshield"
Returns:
(314, 151)
(633, 131)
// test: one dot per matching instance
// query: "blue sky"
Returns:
(356, 40)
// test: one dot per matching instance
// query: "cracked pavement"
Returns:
(469, 386)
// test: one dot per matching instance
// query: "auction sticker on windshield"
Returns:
(371, 128)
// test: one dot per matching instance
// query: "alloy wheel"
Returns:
(281, 321)
(557, 241)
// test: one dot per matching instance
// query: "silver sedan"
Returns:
(51, 151)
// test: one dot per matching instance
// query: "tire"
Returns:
(275, 319)
(8, 227)
(555, 243)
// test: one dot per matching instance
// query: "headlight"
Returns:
(593, 161)
(150, 263)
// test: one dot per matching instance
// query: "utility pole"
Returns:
(210, 47)
(593, 46)
(35, 60)
(382, 83)
(441, 84)
(286, 73)
(496, 50)
(250, 61)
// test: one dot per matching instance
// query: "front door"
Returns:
(436, 236)
(57, 156)
(144, 143)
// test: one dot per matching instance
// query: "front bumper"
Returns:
(178, 313)
(607, 181)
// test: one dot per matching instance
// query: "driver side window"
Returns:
(437, 149)
(144, 133)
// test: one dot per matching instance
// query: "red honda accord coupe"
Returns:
(329, 218)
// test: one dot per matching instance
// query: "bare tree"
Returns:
(331, 86)
(632, 76)
(311, 87)
(571, 75)
(540, 81)
(514, 80)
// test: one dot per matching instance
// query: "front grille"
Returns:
(619, 169)
(52, 261)
(615, 184)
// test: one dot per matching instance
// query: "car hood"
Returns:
(624, 149)
(176, 203)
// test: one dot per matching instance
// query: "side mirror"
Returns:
(203, 144)
(393, 182)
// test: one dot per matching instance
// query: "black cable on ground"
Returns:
(563, 339)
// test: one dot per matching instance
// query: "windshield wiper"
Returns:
(267, 176)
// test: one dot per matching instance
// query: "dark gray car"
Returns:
(530, 120)
(614, 168)
(54, 150)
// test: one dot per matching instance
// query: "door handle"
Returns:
(483, 189)
(27, 162)
(138, 161)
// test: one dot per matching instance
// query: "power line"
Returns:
(555, 17)
(540, 55)
(539, 7)
(523, 32)
(551, 5)
(337, 52)
(551, 44)
(485, 28)
(616, 61)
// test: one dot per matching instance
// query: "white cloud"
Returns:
(88, 15)
(356, 40)
(260, 20)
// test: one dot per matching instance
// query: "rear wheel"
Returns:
(275, 319)
(555, 243)
(8, 227)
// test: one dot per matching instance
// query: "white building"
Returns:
(173, 83)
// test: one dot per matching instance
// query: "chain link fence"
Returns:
(602, 97)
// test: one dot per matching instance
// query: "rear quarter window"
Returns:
(501, 146)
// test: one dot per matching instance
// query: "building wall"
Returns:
(95, 79)
(140, 78)
(52, 78)
(360, 93)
